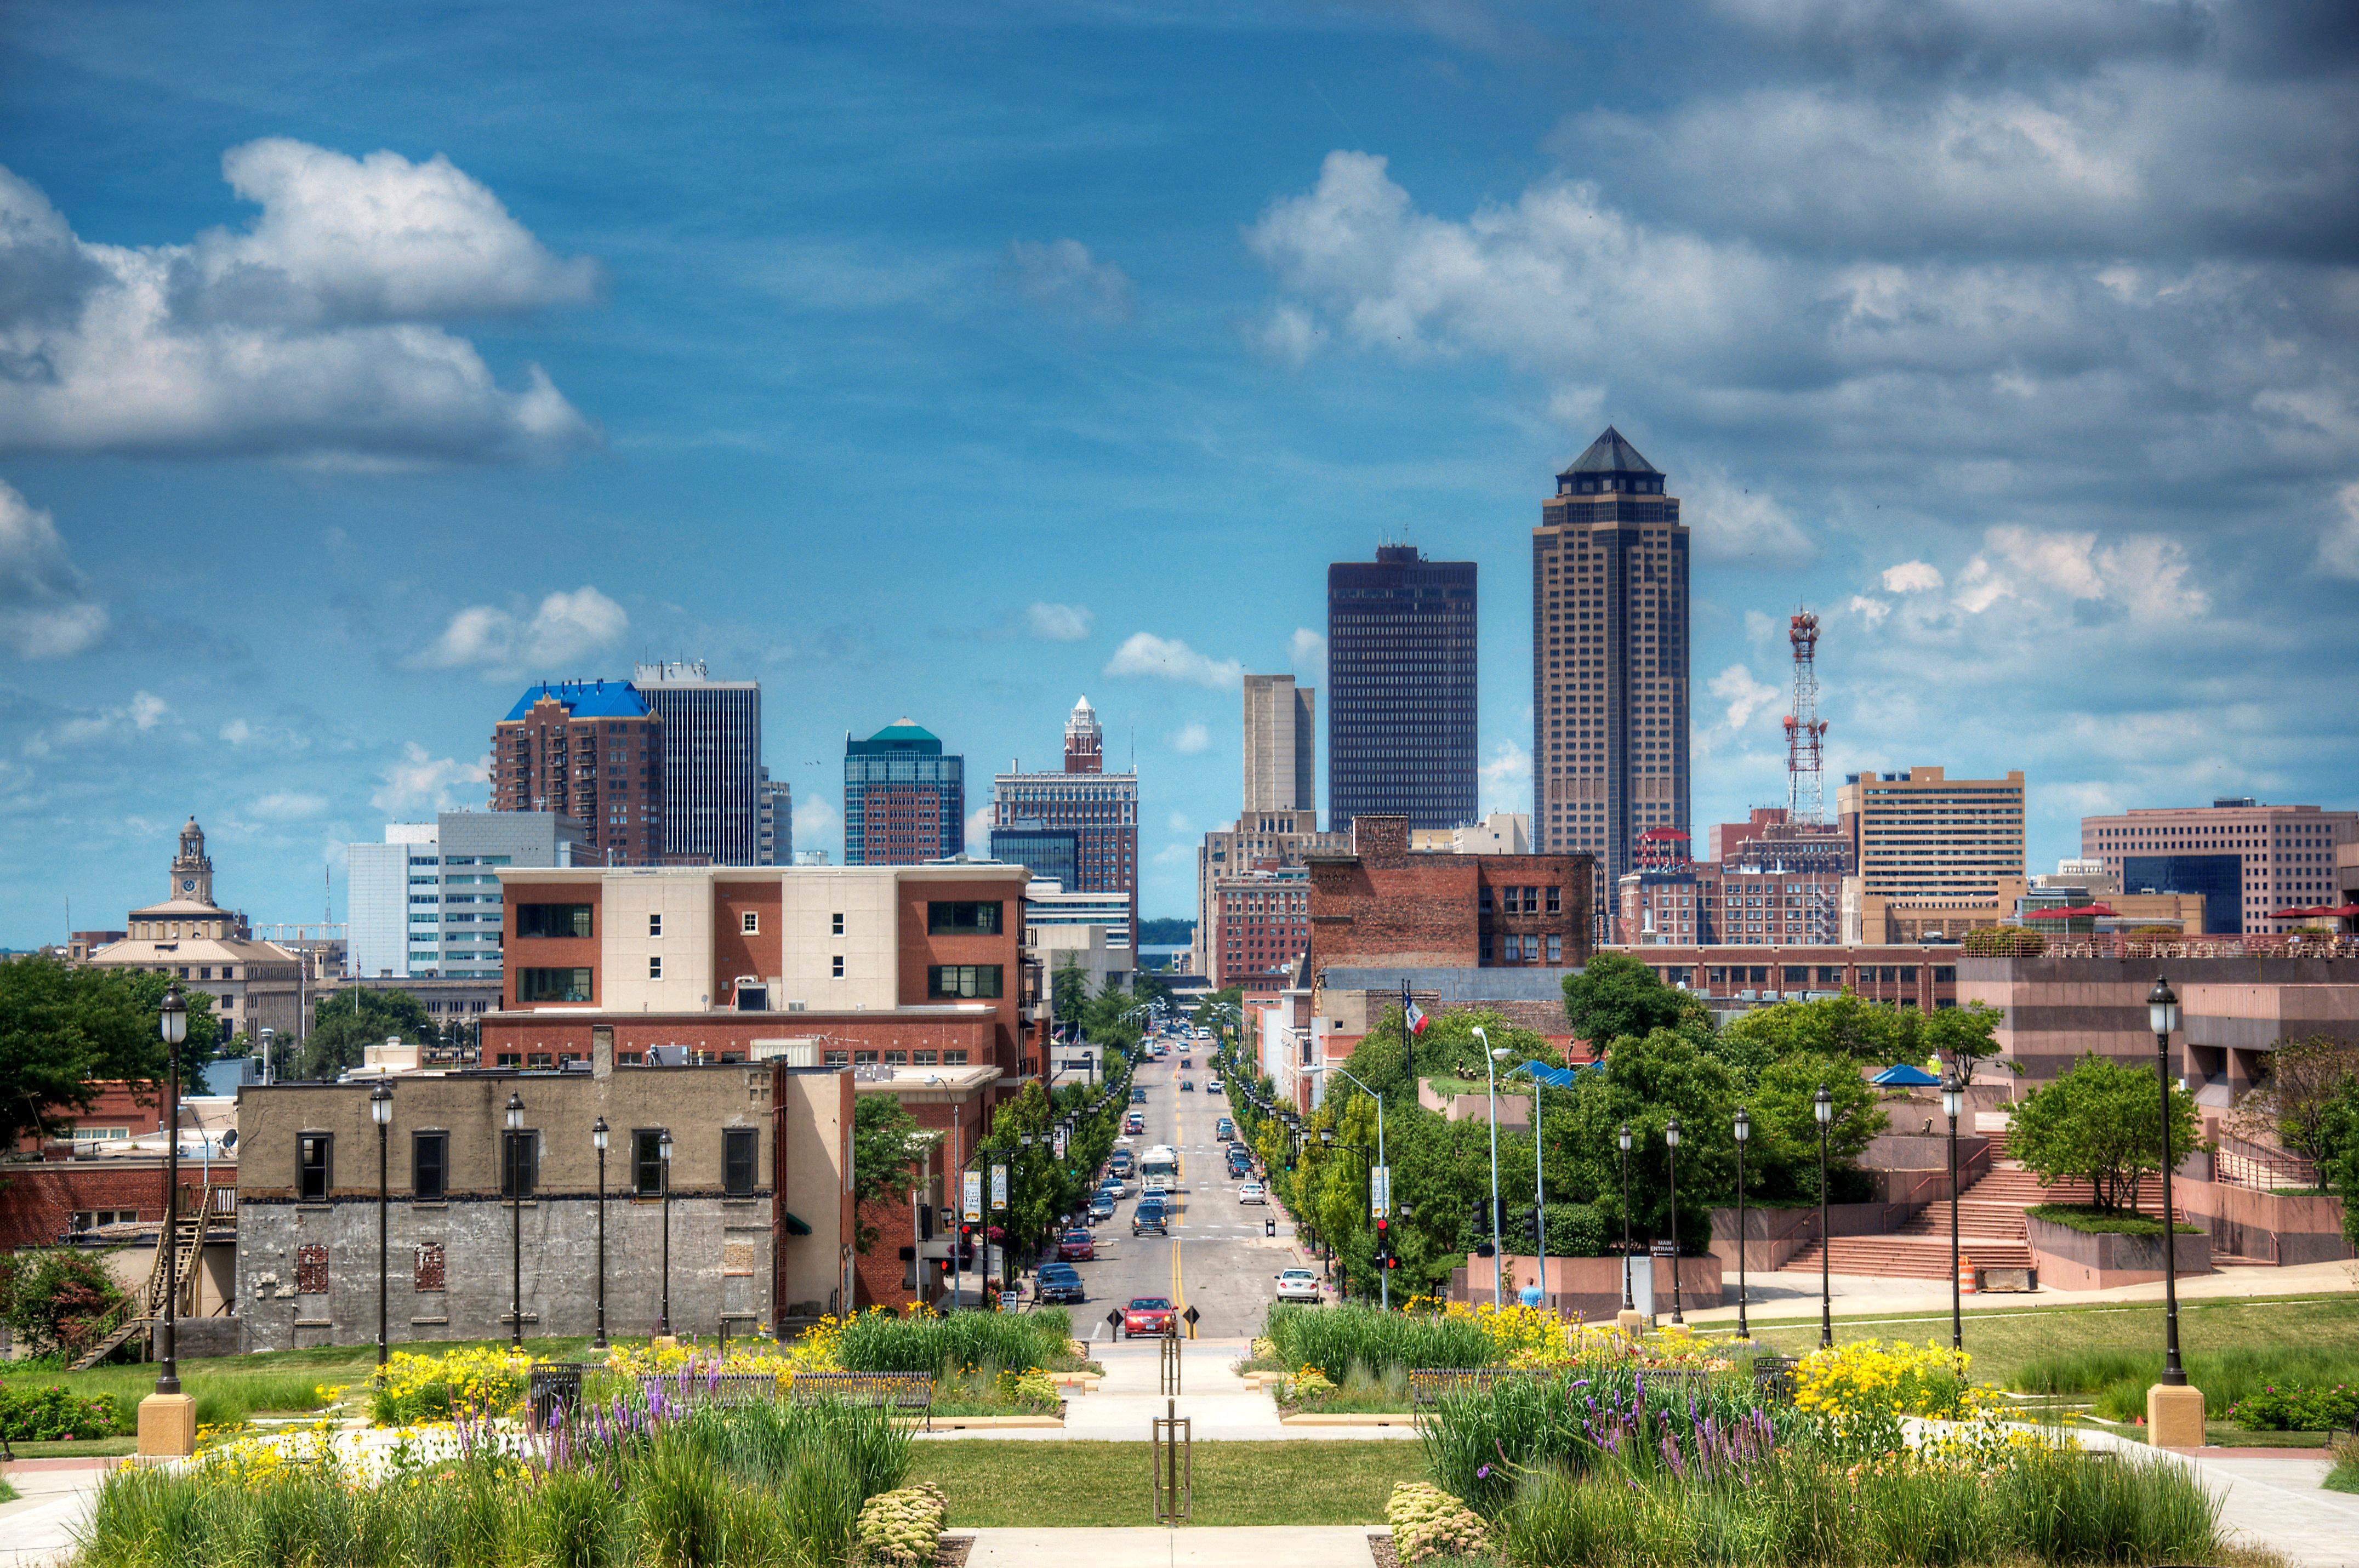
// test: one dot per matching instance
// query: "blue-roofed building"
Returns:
(904, 799)
(591, 750)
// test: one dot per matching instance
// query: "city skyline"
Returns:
(2053, 439)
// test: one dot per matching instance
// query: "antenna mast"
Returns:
(1805, 731)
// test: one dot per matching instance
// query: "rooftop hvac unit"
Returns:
(797, 1007)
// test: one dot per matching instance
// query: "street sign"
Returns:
(974, 1207)
(1192, 1315)
(1010, 1300)
(998, 1189)
(1113, 1318)
(1664, 1249)
(1380, 1191)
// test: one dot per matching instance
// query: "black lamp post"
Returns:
(598, 1140)
(2162, 1013)
(663, 1158)
(1743, 1130)
(1672, 1141)
(1628, 1305)
(381, 1113)
(516, 1208)
(172, 1022)
(1823, 1106)
(1954, 1100)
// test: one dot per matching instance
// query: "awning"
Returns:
(795, 1227)
(2082, 912)
(1559, 1077)
(1901, 1075)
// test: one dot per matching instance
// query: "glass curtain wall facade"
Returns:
(711, 763)
(904, 799)
(1400, 689)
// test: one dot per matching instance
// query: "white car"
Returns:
(1157, 1194)
(1298, 1285)
(1253, 1192)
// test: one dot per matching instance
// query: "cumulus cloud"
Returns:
(1870, 611)
(2338, 547)
(2144, 576)
(1746, 696)
(1307, 651)
(1190, 739)
(504, 642)
(1911, 577)
(1286, 333)
(420, 781)
(144, 712)
(1061, 278)
(1505, 779)
(818, 823)
(286, 806)
(319, 333)
(1058, 622)
(45, 607)
(1733, 522)
(978, 829)
(1169, 659)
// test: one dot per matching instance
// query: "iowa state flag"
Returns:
(1410, 1011)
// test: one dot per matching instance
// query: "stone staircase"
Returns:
(1990, 1229)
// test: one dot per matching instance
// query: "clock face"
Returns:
(188, 884)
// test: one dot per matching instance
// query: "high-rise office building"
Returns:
(711, 763)
(1098, 809)
(1281, 745)
(1609, 662)
(774, 822)
(426, 902)
(904, 797)
(2249, 860)
(1933, 855)
(590, 750)
(1400, 689)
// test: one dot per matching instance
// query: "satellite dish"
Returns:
(229, 1140)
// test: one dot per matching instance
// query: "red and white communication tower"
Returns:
(1805, 731)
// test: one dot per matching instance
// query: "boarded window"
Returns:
(311, 1269)
(429, 1271)
(737, 1257)
(740, 1148)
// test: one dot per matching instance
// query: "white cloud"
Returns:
(818, 823)
(146, 710)
(978, 830)
(1289, 334)
(1169, 659)
(317, 334)
(1733, 522)
(1063, 279)
(2143, 575)
(563, 627)
(1911, 577)
(1758, 627)
(420, 781)
(1744, 695)
(1307, 651)
(46, 610)
(1179, 824)
(1058, 622)
(1505, 781)
(1190, 739)
(288, 805)
(2338, 547)
(1871, 612)
(237, 732)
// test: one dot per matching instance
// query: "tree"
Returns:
(2299, 1107)
(346, 1025)
(1783, 1159)
(1645, 1083)
(64, 1030)
(2340, 1169)
(1965, 1036)
(59, 1302)
(2099, 1123)
(1617, 996)
(1068, 992)
(1448, 1048)
(881, 1130)
(1847, 1025)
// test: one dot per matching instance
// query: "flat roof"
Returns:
(966, 871)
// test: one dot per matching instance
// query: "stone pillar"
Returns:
(2174, 1416)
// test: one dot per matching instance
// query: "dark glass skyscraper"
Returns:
(1400, 689)
(711, 762)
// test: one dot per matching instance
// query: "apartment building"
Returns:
(1736, 904)
(1932, 856)
(591, 750)
(2248, 860)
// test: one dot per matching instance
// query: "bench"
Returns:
(901, 1390)
(711, 1388)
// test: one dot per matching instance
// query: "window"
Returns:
(1556, 953)
(429, 1165)
(1482, 899)
(1483, 957)
(944, 918)
(954, 1057)
(963, 980)
(1944, 973)
(839, 967)
(750, 924)
(519, 1163)
(655, 925)
(552, 920)
(839, 926)
(552, 985)
(1556, 907)
(655, 971)
(91, 1219)
(739, 1148)
(646, 1162)
(311, 1166)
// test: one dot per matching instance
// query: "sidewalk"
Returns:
(1778, 1297)
(2272, 1503)
(54, 1499)
(1297, 1546)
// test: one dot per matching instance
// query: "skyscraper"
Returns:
(426, 902)
(1281, 746)
(711, 763)
(904, 799)
(1099, 809)
(1609, 662)
(774, 823)
(590, 750)
(1400, 689)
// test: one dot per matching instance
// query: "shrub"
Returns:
(457, 1385)
(2298, 1408)
(55, 1412)
(1332, 1338)
(60, 1301)
(1428, 1522)
(878, 1342)
(2092, 1220)
(2002, 942)
(901, 1528)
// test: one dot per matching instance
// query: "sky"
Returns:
(360, 365)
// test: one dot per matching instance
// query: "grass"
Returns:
(78, 1448)
(993, 1484)
(2345, 1476)
(2090, 1220)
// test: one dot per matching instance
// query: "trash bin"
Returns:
(554, 1387)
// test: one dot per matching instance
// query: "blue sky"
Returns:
(360, 365)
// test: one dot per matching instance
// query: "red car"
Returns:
(1076, 1246)
(1148, 1317)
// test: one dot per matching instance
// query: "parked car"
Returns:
(1120, 1162)
(1240, 1162)
(1213, 1087)
(1253, 1192)
(1102, 1207)
(1150, 1219)
(1226, 1129)
(1149, 1315)
(1059, 1282)
(1114, 1186)
(1076, 1246)
(1298, 1285)
(1138, 1097)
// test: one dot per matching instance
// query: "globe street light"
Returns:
(516, 1207)
(663, 1160)
(1823, 1106)
(598, 1140)
(1498, 1256)
(1672, 1141)
(381, 1113)
(172, 1023)
(1624, 1139)
(1743, 1130)
(2162, 1013)
(1953, 1099)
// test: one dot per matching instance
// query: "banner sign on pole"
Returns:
(1380, 1193)
(974, 1207)
(1061, 1140)
(998, 1188)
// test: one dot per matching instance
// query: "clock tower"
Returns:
(192, 869)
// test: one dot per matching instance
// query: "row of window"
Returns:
(1520, 900)
(944, 982)
(429, 1163)
(943, 917)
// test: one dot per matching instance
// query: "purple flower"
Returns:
(1482, 1473)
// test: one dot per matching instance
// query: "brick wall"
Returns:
(38, 1202)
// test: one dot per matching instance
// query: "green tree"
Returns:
(1782, 1161)
(1848, 1026)
(1965, 1037)
(63, 1031)
(1617, 996)
(881, 1131)
(1069, 993)
(2299, 1107)
(348, 1023)
(58, 1302)
(1647, 1082)
(2101, 1123)
(2340, 1169)
(1450, 1048)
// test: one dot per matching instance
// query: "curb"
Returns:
(1374, 1417)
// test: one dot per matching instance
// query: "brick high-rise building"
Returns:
(711, 763)
(1610, 632)
(1400, 689)
(904, 799)
(2248, 860)
(590, 750)
(1099, 809)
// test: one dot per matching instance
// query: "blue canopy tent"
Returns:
(1903, 1076)
(1560, 1077)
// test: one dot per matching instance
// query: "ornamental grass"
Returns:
(931, 1342)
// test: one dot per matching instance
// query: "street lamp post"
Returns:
(663, 1158)
(1823, 1106)
(1743, 1130)
(168, 1420)
(1498, 1256)
(516, 1208)
(381, 1113)
(598, 1136)
(1629, 1307)
(1672, 1141)
(1383, 1275)
(1539, 1184)
(2174, 1411)
(1954, 1098)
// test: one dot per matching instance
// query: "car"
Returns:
(1298, 1285)
(1252, 1192)
(1114, 1186)
(1120, 1163)
(1139, 1096)
(1213, 1087)
(1225, 1129)
(1187, 1061)
(1134, 1124)
(1150, 1218)
(1076, 1246)
(1156, 1192)
(1059, 1282)
(1189, 1084)
(1102, 1207)
(1149, 1315)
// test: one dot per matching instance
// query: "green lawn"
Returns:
(1009, 1484)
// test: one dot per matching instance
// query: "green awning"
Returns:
(795, 1227)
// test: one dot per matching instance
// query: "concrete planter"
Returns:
(2070, 1259)
(2272, 1227)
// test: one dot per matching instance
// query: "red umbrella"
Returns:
(2085, 912)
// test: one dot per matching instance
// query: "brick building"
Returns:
(952, 1107)
(1098, 809)
(2246, 859)
(1274, 836)
(1736, 903)
(1384, 904)
(904, 797)
(591, 750)
(1261, 925)
(1731, 978)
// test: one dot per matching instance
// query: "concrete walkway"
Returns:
(1781, 1296)
(1295, 1546)
(2275, 1503)
(53, 1497)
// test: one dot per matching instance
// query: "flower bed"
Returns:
(2298, 1407)
(55, 1413)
